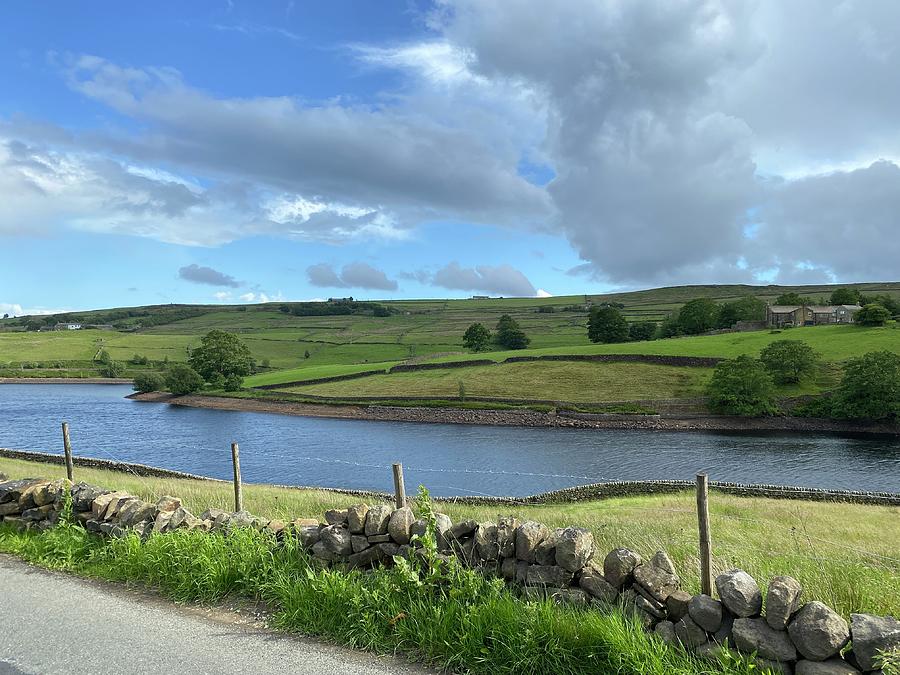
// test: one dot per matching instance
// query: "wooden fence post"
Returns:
(67, 448)
(705, 544)
(236, 462)
(399, 489)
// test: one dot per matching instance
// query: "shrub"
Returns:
(844, 296)
(698, 316)
(642, 330)
(217, 381)
(182, 379)
(742, 386)
(872, 315)
(870, 388)
(607, 324)
(147, 382)
(140, 360)
(747, 308)
(234, 383)
(788, 360)
(112, 369)
(509, 335)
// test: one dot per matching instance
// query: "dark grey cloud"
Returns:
(199, 274)
(352, 275)
(500, 279)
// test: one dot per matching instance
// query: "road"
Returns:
(55, 623)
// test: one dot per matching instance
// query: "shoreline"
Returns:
(524, 418)
(65, 380)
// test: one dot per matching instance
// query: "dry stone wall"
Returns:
(783, 632)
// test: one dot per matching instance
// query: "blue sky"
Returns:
(237, 151)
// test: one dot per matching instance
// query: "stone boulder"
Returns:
(377, 519)
(487, 544)
(545, 553)
(836, 666)
(337, 540)
(356, 518)
(706, 612)
(528, 536)
(506, 536)
(11, 491)
(689, 634)
(659, 584)
(463, 529)
(574, 546)
(548, 575)
(739, 593)
(782, 601)
(618, 566)
(872, 634)
(418, 529)
(442, 526)
(168, 503)
(665, 631)
(508, 568)
(818, 631)
(662, 561)
(677, 604)
(308, 535)
(755, 635)
(336, 516)
(592, 581)
(400, 523)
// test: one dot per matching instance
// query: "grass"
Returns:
(843, 554)
(448, 617)
(551, 380)
(314, 372)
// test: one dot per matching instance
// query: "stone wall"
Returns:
(790, 636)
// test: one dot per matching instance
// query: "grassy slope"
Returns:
(558, 381)
(843, 554)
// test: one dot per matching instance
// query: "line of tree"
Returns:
(507, 335)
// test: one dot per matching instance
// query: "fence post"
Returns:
(67, 448)
(705, 545)
(236, 462)
(399, 489)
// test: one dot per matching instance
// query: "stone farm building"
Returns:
(778, 316)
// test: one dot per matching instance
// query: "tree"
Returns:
(890, 303)
(477, 338)
(844, 296)
(870, 387)
(222, 353)
(112, 369)
(182, 379)
(670, 326)
(103, 357)
(788, 360)
(140, 360)
(792, 299)
(606, 324)
(642, 330)
(147, 382)
(234, 383)
(872, 315)
(747, 308)
(509, 335)
(698, 316)
(380, 310)
(742, 386)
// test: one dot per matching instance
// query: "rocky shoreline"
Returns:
(524, 418)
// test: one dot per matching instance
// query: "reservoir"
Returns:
(448, 459)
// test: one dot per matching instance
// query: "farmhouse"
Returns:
(67, 326)
(778, 316)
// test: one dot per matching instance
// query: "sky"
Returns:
(229, 151)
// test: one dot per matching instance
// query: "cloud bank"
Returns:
(353, 275)
(206, 275)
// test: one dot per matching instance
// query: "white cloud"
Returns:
(500, 279)
(353, 275)
(541, 293)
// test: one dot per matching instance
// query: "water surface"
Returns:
(449, 459)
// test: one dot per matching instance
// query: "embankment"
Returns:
(525, 418)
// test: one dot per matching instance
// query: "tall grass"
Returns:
(451, 618)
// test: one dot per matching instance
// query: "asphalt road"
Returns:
(55, 623)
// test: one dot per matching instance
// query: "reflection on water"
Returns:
(449, 459)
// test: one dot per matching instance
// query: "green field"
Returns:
(844, 554)
(431, 330)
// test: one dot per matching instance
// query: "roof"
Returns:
(815, 309)
(784, 309)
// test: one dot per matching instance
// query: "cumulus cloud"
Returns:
(199, 274)
(352, 275)
(502, 279)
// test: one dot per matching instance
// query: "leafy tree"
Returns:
(477, 338)
(606, 324)
(788, 360)
(509, 335)
(670, 327)
(872, 315)
(140, 360)
(147, 382)
(380, 310)
(742, 386)
(182, 379)
(698, 316)
(747, 308)
(844, 296)
(642, 330)
(792, 299)
(870, 387)
(234, 383)
(112, 369)
(890, 303)
(222, 353)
